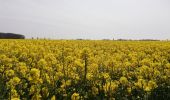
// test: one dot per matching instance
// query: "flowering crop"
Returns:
(83, 69)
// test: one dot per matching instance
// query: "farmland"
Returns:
(84, 69)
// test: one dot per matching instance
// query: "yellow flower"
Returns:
(157, 73)
(35, 75)
(13, 82)
(89, 76)
(68, 82)
(15, 99)
(147, 88)
(106, 76)
(14, 94)
(22, 68)
(129, 90)
(141, 83)
(10, 73)
(94, 91)
(110, 87)
(78, 63)
(75, 96)
(53, 97)
(42, 63)
(32, 89)
(16, 80)
(152, 84)
(123, 81)
(45, 91)
(58, 75)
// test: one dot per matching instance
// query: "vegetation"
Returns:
(11, 36)
(82, 69)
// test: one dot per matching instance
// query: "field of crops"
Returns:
(84, 69)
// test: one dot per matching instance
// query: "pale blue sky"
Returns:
(88, 19)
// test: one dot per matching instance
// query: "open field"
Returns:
(84, 69)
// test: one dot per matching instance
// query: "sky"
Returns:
(86, 19)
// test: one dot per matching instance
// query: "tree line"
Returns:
(11, 36)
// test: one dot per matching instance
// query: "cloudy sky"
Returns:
(88, 19)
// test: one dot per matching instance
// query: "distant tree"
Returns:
(11, 36)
